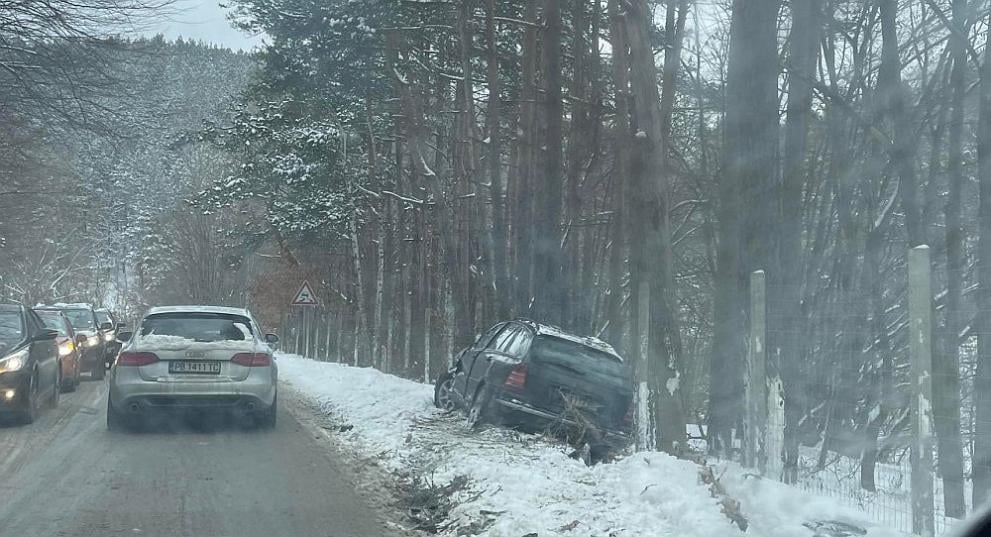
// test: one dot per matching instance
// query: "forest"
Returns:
(615, 167)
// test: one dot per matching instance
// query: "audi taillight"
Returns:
(252, 359)
(136, 359)
(516, 381)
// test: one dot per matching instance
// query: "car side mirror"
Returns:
(106, 326)
(46, 335)
(271, 338)
(124, 337)
(80, 339)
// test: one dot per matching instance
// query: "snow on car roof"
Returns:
(197, 309)
(588, 341)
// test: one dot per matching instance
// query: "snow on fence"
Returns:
(864, 418)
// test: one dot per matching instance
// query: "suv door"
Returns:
(468, 360)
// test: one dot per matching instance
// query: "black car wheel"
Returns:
(99, 370)
(30, 411)
(480, 411)
(267, 419)
(69, 384)
(443, 396)
(115, 422)
(56, 388)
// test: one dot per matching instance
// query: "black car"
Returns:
(30, 372)
(109, 327)
(538, 377)
(94, 348)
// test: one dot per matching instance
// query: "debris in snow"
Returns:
(834, 528)
(729, 506)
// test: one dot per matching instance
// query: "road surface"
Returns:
(67, 476)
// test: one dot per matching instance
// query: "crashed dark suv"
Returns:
(537, 377)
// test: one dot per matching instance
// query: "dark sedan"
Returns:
(94, 347)
(30, 372)
(535, 376)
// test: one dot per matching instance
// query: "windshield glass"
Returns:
(103, 317)
(202, 327)
(548, 349)
(53, 321)
(11, 329)
(80, 319)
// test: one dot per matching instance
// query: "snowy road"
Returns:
(67, 476)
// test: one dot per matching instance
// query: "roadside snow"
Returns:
(523, 484)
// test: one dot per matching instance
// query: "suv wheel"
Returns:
(30, 411)
(267, 419)
(480, 411)
(443, 389)
(56, 388)
(99, 370)
(115, 422)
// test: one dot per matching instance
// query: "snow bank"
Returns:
(523, 484)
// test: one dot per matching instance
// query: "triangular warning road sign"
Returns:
(305, 296)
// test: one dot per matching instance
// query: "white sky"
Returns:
(202, 20)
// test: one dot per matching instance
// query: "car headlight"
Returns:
(14, 361)
(109, 336)
(66, 348)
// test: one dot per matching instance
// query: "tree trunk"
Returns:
(523, 219)
(550, 287)
(654, 113)
(618, 250)
(497, 234)
(892, 99)
(946, 369)
(785, 296)
(750, 169)
(982, 381)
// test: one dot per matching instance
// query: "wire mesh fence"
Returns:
(872, 398)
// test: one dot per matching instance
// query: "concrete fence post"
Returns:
(755, 379)
(920, 354)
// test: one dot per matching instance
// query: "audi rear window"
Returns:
(201, 327)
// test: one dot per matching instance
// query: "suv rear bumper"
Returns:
(611, 437)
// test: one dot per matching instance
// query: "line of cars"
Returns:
(44, 351)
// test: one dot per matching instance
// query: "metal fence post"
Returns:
(755, 380)
(920, 354)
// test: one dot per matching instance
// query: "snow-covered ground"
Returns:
(524, 484)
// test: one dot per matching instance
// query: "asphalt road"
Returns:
(67, 476)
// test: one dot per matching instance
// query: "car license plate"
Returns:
(194, 367)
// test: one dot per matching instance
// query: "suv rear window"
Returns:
(202, 327)
(575, 356)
